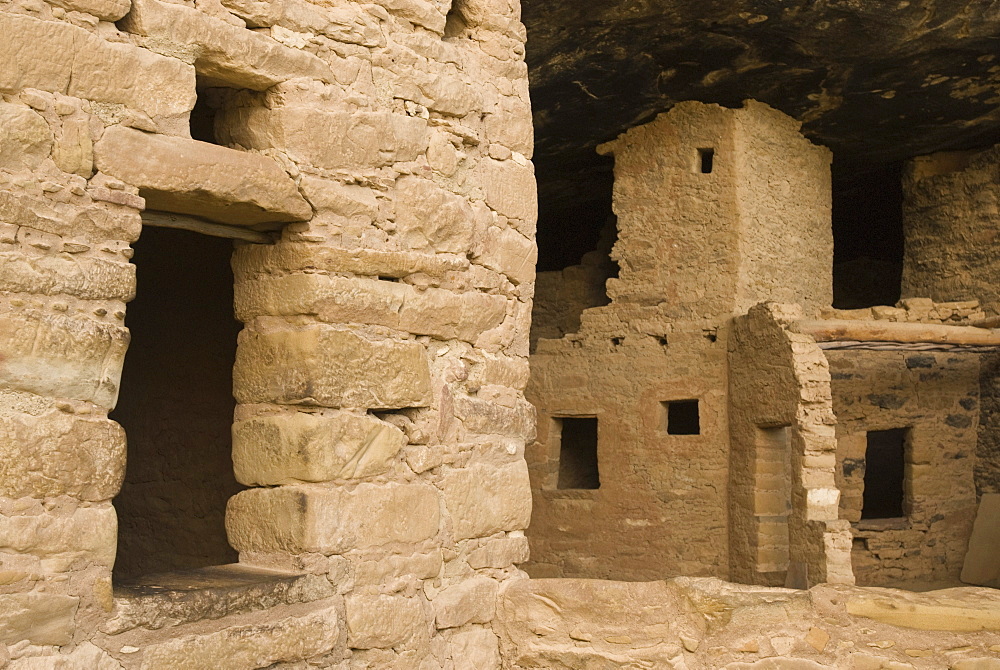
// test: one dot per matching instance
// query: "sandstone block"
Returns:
(932, 611)
(510, 188)
(175, 174)
(74, 151)
(60, 454)
(232, 54)
(376, 621)
(484, 499)
(285, 640)
(499, 553)
(39, 618)
(92, 221)
(290, 448)
(346, 200)
(436, 312)
(476, 649)
(485, 417)
(471, 601)
(52, 354)
(25, 138)
(300, 519)
(326, 366)
(52, 274)
(421, 12)
(89, 533)
(84, 656)
(429, 216)
(982, 566)
(507, 251)
(106, 10)
(328, 139)
(62, 58)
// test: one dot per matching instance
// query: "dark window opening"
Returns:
(203, 115)
(176, 405)
(867, 235)
(884, 471)
(706, 160)
(578, 453)
(682, 417)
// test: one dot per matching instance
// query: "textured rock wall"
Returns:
(694, 249)
(380, 419)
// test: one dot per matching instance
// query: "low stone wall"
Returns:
(702, 624)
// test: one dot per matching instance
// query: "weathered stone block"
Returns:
(500, 553)
(484, 499)
(328, 139)
(86, 656)
(284, 640)
(74, 151)
(326, 366)
(175, 174)
(106, 10)
(436, 312)
(56, 355)
(39, 618)
(62, 58)
(510, 188)
(87, 278)
(60, 454)
(507, 251)
(300, 519)
(25, 138)
(235, 55)
(88, 533)
(376, 621)
(288, 448)
(471, 601)
(91, 221)
(476, 649)
(429, 216)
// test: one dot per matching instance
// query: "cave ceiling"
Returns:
(875, 81)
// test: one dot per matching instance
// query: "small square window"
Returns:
(885, 463)
(578, 453)
(681, 417)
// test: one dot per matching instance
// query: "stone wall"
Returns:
(697, 244)
(384, 148)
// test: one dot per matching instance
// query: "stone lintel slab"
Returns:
(185, 176)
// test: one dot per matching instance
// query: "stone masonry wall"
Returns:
(381, 421)
(684, 241)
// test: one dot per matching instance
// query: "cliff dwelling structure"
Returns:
(451, 334)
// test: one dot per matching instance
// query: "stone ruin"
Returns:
(310, 440)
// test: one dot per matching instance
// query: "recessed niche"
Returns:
(885, 466)
(578, 453)
(681, 417)
(706, 160)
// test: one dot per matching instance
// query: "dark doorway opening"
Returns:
(885, 465)
(176, 405)
(682, 417)
(578, 453)
(867, 235)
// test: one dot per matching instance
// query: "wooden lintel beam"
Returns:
(836, 330)
(183, 222)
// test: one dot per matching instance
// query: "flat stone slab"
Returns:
(173, 598)
(982, 560)
(185, 176)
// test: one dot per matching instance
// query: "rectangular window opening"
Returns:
(706, 160)
(885, 459)
(578, 453)
(681, 417)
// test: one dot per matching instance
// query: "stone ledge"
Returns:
(174, 598)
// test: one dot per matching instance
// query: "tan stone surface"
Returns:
(330, 367)
(175, 174)
(64, 534)
(25, 138)
(482, 499)
(383, 621)
(98, 70)
(471, 601)
(302, 519)
(59, 453)
(247, 646)
(39, 618)
(982, 562)
(290, 448)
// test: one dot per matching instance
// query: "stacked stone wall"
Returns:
(385, 148)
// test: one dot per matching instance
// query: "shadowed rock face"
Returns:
(875, 81)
